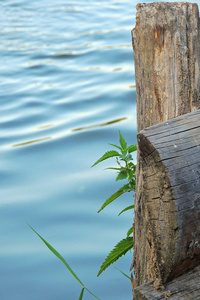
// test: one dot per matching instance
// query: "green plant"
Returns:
(125, 171)
(65, 263)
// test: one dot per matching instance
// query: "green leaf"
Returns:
(122, 175)
(107, 155)
(115, 146)
(122, 141)
(129, 157)
(132, 148)
(123, 273)
(120, 249)
(58, 256)
(63, 261)
(123, 155)
(131, 175)
(114, 196)
(132, 185)
(127, 188)
(131, 165)
(81, 294)
(129, 232)
(125, 209)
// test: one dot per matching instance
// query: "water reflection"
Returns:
(31, 142)
(67, 131)
(99, 125)
(68, 78)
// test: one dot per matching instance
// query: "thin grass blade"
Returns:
(63, 261)
(81, 294)
(123, 273)
(58, 256)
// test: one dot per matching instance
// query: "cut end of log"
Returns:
(167, 231)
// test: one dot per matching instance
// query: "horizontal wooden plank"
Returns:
(167, 128)
(184, 287)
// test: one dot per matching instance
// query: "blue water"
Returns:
(67, 87)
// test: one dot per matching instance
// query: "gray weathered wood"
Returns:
(170, 155)
(166, 42)
(182, 288)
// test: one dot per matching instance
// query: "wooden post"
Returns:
(166, 43)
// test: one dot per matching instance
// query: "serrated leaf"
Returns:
(132, 148)
(125, 209)
(122, 141)
(107, 155)
(62, 260)
(122, 175)
(115, 146)
(81, 294)
(123, 273)
(120, 249)
(129, 232)
(113, 197)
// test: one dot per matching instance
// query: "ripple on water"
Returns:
(67, 86)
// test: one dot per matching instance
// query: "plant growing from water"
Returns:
(127, 171)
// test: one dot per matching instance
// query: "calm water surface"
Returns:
(67, 86)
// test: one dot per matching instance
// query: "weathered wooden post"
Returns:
(166, 42)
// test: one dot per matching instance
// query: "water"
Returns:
(67, 86)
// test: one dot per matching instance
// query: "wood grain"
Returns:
(170, 155)
(182, 288)
(166, 42)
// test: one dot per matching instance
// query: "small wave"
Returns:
(99, 124)
(31, 142)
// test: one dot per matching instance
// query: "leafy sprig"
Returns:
(125, 171)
